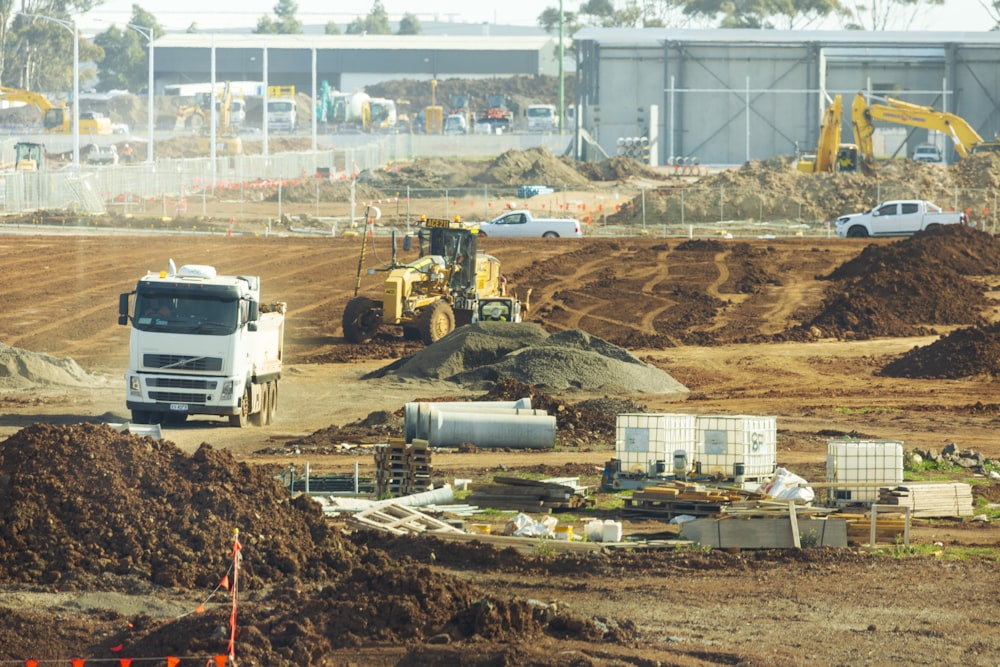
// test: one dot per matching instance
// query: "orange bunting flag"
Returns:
(125, 662)
(77, 662)
(200, 609)
(30, 663)
(220, 660)
(172, 661)
(118, 648)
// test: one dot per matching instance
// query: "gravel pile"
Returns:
(22, 369)
(485, 353)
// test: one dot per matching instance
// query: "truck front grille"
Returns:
(182, 383)
(177, 397)
(182, 363)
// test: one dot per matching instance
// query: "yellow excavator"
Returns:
(831, 155)
(56, 118)
(197, 117)
(963, 136)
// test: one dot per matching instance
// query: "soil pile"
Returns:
(535, 165)
(23, 369)
(820, 197)
(968, 352)
(903, 288)
(88, 508)
(482, 354)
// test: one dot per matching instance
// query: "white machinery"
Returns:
(201, 343)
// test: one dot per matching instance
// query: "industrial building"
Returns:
(726, 96)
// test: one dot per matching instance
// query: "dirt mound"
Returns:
(535, 165)
(902, 288)
(484, 353)
(967, 352)
(23, 369)
(617, 168)
(88, 508)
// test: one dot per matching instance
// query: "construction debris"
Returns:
(674, 498)
(526, 495)
(400, 520)
(930, 500)
(402, 468)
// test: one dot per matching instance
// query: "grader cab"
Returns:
(432, 295)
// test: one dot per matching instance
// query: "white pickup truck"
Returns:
(896, 218)
(523, 224)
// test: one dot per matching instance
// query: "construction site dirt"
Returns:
(113, 545)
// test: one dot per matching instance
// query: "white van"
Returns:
(928, 153)
(542, 118)
(456, 124)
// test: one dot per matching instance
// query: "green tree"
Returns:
(375, 23)
(786, 14)
(287, 22)
(126, 53)
(35, 53)
(549, 21)
(884, 14)
(331, 28)
(409, 25)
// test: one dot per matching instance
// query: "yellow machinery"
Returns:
(57, 118)
(964, 137)
(831, 155)
(197, 117)
(29, 156)
(434, 114)
(450, 285)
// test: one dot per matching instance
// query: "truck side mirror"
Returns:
(254, 313)
(123, 308)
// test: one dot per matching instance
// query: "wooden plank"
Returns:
(794, 524)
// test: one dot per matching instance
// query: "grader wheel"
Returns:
(436, 321)
(362, 318)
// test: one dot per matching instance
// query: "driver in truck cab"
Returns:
(158, 308)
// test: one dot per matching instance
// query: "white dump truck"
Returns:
(201, 343)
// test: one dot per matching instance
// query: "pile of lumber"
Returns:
(527, 495)
(402, 468)
(675, 498)
(400, 520)
(930, 499)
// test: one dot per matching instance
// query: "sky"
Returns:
(177, 15)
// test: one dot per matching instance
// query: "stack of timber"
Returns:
(402, 468)
(889, 526)
(931, 499)
(527, 495)
(676, 498)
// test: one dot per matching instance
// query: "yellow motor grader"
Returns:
(451, 284)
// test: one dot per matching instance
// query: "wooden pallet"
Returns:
(927, 500)
(400, 520)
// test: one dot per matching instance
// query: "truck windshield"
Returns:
(186, 314)
(282, 106)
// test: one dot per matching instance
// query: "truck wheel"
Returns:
(411, 333)
(259, 418)
(550, 235)
(240, 420)
(857, 233)
(140, 417)
(436, 321)
(362, 318)
(272, 401)
(931, 226)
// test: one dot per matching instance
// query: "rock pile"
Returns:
(951, 455)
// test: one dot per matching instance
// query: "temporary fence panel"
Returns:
(645, 442)
(868, 462)
(727, 441)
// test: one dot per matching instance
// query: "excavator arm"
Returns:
(889, 110)
(829, 148)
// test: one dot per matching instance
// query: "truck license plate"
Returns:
(178, 407)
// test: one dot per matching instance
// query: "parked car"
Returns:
(102, 154)
(928, 153)
(896, 218)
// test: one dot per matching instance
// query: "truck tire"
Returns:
(272, 402)
(240, 420)
(931, 226)
(140, 417)
(362, 318)
(259, 418)
(436, 321)
(857, 232)
(550, 235)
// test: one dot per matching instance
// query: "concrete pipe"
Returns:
(416, 415)
(492, 429)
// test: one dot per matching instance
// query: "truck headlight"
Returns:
(134, 386)
(227, 390)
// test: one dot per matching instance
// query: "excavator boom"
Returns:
(963, 136)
